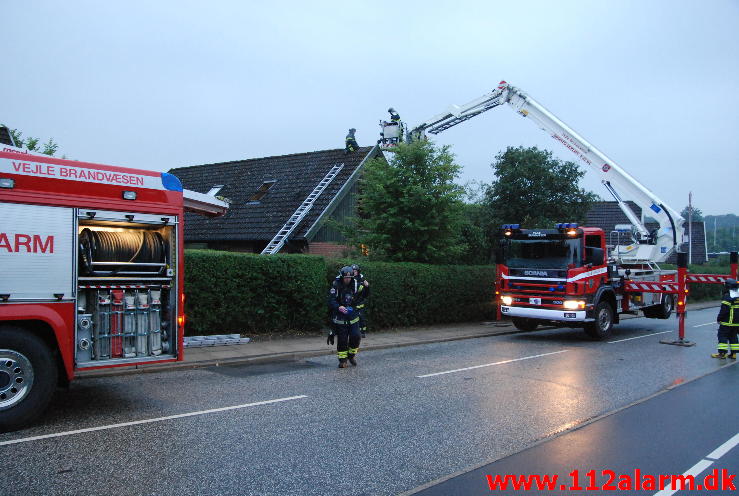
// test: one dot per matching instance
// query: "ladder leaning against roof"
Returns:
(279, 240)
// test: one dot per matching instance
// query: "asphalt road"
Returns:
(402, 419)
(691, 429)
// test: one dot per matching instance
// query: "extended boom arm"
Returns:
(651, 247)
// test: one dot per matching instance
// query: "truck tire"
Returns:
(663, 310)
(602, 327)
(28, 377)
(523, 324)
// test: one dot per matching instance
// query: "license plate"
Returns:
(534, 301)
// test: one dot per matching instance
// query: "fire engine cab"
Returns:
(564, 275)
(91, 273)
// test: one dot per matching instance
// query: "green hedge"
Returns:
(230, 292)
(237, 292)
(407, 294)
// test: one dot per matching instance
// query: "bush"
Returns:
(407, 294)
(231, 292)
(237, 292)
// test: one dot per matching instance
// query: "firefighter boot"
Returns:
(720, 355)
(352, 360)
(342, 363)
(731, 356)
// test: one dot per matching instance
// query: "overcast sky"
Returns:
(162, 84)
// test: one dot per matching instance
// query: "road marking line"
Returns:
(707, 461)
(695, 470)
(639, 337)
(710, 323)
(148, 421)
(489, 364)
(724, 448)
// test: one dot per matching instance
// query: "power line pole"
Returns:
(690, 228)
(714, 234)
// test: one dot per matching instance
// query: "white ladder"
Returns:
(279, 240)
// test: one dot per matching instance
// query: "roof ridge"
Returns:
(266, 158)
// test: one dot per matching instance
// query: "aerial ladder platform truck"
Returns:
(577, 276)
(91, 273)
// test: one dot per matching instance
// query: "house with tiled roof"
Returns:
(5, 137)
(264, 193)
(608, 215)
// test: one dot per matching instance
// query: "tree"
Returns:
(697, 214)
(410, 208)
(474, 230)
(32, 144)
(536, 190)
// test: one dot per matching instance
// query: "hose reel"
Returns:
(109, 253)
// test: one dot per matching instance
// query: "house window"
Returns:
(261, 191)
(215, 190)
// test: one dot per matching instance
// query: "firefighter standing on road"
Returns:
(359, 278)
(728, 320)
(350, 142)
(345, 294)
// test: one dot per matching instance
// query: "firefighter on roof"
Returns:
(350, 142)
(728, 322)
(344, 296)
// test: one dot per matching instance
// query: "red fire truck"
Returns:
(91, 273)
(578, 276)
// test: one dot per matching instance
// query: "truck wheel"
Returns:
(603, 325)
(523, 324)
(664, 310)
(661, 311)
(28, 377)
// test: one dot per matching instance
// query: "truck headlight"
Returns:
(507, 300)
(574, 304)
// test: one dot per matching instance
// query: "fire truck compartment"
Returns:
(126, 301)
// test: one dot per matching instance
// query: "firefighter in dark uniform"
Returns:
(728, 322)
(360, 280)
(350, 142)
(345, 294)
(394, 116)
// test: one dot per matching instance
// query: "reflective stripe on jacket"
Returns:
(728, 315)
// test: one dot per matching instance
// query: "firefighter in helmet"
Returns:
(728, 322)
(361, 281)
(394, 116)
(344, 296)
(350, 142)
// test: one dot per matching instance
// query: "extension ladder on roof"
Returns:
(279, 240)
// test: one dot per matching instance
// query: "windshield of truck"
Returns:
(543, 253)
